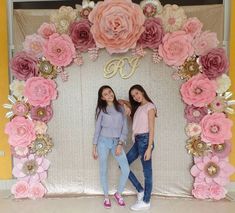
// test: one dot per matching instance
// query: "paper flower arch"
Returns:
(119, 26)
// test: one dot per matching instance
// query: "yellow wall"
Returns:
(232, 75)
(5, 161)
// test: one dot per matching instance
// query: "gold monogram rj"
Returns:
(126, 66)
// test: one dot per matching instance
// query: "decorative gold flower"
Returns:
(85, 9)
(222, 103)
(17, 107)
(189, 68)
(42, 145)
(46, 69)
(197, 147)
(212, 169)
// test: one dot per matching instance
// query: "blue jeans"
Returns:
(105, 145)
(138, 149)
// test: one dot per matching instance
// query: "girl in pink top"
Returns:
(143, 113)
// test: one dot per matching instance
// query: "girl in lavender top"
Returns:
(143, 113)
(110, 135)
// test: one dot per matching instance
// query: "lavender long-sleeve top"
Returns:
(112, 125)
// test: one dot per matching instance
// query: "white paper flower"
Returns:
(223, 82)
(193, 129)
(17, 88)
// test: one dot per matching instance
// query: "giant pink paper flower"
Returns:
(217, 192)
(81, 35)
(46, 30)
(176, 48)
(20, 189)
(36, 190)
(24, 65)
(204, 42)
(31, 169)
(216, 128)
(39, 113)
(21, 131)
(194, 114)
(153, 33)
(214, 63)
(212, 169)
(59, 50)
(117, 25)
(40, 91)
(198, 91)
(200, 190)
(193, 26)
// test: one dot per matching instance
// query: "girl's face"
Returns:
(137, 95)
(107, 95)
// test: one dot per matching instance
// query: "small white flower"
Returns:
(223, 82)
(17, 88)
(193, 129)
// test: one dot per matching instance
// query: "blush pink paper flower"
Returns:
(19, 151)
(59, 50)
(216, 128)
(176, 48)
(40, 127)
(217, 192)
(194, 114)
(24, 65)
(198, 91)
(117, 25)
(34, 44)
(193, 129)
(31, 169)
(36, 190)
(21, 131)
(40, 91)
(42, 113)
(153, 33)
(20, 189)
(200, 190)
(222, 150)
(193, 26)
(212, 169)
(204, 42)
(214, 63)
(46, 30)
(81, 35)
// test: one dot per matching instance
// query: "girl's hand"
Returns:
(118, 150)
(127, 110)
(147, 154)
(94, 152)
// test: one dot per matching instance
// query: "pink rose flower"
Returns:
(214, 63)
(153, 34)
(176, 48)
(198, 91)
(24, 65)
(46, 30)
(194, 114)
(212, 169)
(117, 25)
(201, 190)
(21, 131)
(20, 189)
(193, 26)
(19, 151)
(81, 35)
(36, 190)
(59, 50)
(217, 192)
(40, 91)
(222, 150)
(205, 42)
(40, 127)
(34, 44)
(31, 169)
(216, 128)
(42, 113)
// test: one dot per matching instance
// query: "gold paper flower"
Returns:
(189, 68)
(17, 107)
(63, 17)
(42, 145)
(46, 69)
(197, 147)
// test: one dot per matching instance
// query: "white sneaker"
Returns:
(140, 205)
(140, 196)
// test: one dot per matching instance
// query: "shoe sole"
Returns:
(142, 209)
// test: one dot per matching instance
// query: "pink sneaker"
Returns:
(119, 199)
(107, 203)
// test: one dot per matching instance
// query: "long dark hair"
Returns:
(102, 104)
(135, 104)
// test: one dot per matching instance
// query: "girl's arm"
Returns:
(151, 123)
(122, 102)
(97, 128)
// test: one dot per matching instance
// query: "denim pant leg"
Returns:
(103, 152)
(132, 155)
(147, 168)
(125, 170)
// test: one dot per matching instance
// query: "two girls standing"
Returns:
(111, 133)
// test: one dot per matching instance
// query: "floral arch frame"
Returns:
(120, 26)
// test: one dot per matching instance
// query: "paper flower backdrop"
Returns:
(120, 26)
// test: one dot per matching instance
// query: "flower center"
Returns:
(30, 167)
(21, 131)
(219, 147)
(212, 169)
(214, 129)
(41, 112)
(171, 21)
(196, 113)
(198, 91)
